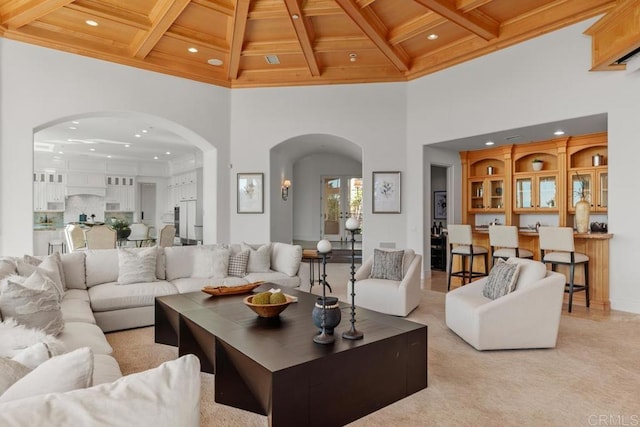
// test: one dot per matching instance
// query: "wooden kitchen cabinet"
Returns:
(486, 195)
(536, 192)
(583, 166)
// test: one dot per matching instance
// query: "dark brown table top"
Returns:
(287, 340)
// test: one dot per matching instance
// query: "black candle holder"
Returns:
(323, 337)
(353, 333)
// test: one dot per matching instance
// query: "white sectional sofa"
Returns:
(94, 302)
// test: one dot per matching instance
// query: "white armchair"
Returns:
(393, 297)
(528, 317)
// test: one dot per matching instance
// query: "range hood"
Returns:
(85, 191)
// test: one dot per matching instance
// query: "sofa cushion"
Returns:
(193, 284)
(69, 371)
(166, 396)
(77, 335)
(238, 263)
(51, 266)
(179, 260)
(74, 270)
(105, 369)
(530, 271)
(136, 267)
(33, 302)
(286, 258)
(502, 279)
(111, 296)
(387, 265)
(210, 261)
(81, 294)
(77, 310)
(259, 257)
(101, 266)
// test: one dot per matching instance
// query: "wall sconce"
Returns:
(285, 189)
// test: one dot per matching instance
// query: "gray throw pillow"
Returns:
(259, 257)
(387, 265)
(34, 303)
(502, 280)
(238, 263)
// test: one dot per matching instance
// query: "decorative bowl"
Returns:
(267, 310)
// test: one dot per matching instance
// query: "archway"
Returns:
(304, 160)
(92, 142)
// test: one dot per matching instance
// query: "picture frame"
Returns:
(386, 192)
(439, 205)
(250, 193)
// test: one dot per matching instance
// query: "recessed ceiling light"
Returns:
(109, 156)
(127, 145)
(353, 57)
(168, 153)
(559, 132)
(144, 131)
(155, 157)
(75, 122)
(432, 36)
(92, 149)
(91, 23)
(489, 143)
(60, 152)
(193, 50)
(215, 61)
(138, 135)
(73, 127)
(295, 16)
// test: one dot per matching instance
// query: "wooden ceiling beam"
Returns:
(304, 31)
(474, 21)
(192, 36)
(366, 20)
(164, 15)
(26, 12)
(365, 3)
(321, 8)
(272, 47)
(237, 37)
(465, 6)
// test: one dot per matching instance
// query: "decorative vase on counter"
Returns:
(333, 314)
(582, 215)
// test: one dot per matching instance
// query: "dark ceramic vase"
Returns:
(124, 233)
(333, 314)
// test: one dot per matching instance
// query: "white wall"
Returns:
(41, 85)
(307, 204)
(542, 80)
(371, 116)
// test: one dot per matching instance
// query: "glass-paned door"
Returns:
(341, 199)
(547, 192)
(603, 199)
(581, 185)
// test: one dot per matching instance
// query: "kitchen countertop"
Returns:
(529, 232)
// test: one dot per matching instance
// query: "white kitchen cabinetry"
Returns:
(48, 191)
(121, 193)
(184, 187)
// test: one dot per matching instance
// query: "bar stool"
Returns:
(461, 244)
(505, 238)
(55, 243)
(559, 240)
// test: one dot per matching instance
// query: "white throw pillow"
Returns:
(34, 303)
(530, 271)
(53, 268)
(286, 258)
(166, 396)
(136, 266)
(66, 372)
(17, 340)
(210, 262)
(33, 356)
(8, 267)
(259, 257)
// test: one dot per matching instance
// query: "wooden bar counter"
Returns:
(594, 245)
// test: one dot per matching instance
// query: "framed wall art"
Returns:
(386, 192)
(439, 205)
(250, 193)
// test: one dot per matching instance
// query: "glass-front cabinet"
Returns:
(535, 193)
(486, 195)
(594, 184)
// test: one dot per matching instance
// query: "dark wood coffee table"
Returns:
(272, 366)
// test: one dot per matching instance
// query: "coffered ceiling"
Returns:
(257, 43)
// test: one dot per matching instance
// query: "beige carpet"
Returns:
(594, 372)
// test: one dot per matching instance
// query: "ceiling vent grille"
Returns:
(272, 59)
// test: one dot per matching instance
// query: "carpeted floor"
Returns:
(591, 378)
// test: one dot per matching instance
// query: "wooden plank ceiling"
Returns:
(257, 43)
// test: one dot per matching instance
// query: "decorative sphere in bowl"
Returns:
(267, 310)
